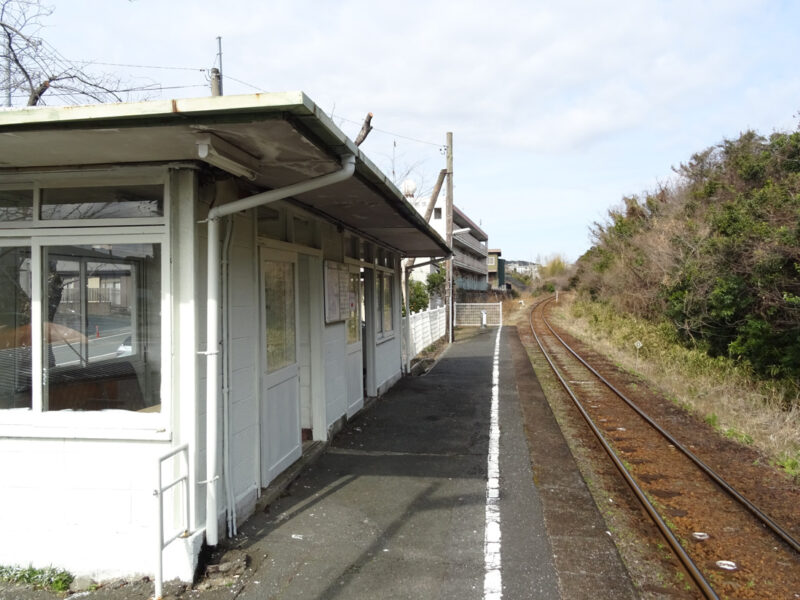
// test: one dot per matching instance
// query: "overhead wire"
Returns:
(397, 135)
(109, 64)
(258, 89)
(74, 64)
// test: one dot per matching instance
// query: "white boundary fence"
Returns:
(426, 327)
(471, 315)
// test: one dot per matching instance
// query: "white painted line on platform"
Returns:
(492, 580)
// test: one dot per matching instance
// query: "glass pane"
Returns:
(16, 205)
(378, 302)
(387, 301)
(15, 328)
(117, 202)
(279, 296)
(102, 327)
(271, 223)
(353, 322)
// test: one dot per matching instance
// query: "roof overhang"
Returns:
(284, 137)
(461, 218)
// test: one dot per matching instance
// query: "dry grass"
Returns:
(716, 390)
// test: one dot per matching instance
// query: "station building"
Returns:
(125, 336)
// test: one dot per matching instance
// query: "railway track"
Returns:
(730, 547)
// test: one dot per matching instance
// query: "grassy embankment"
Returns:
(718, 390)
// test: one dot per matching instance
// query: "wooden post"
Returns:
(429, 210)
(449, 234)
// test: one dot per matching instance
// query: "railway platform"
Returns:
(396, 507)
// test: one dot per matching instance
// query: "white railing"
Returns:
(159, 493)
(426, 327)
(478, 314)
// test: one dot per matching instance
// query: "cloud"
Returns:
(558, 108)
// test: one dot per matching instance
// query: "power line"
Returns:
(107, 64)
(141, 89)
(258, 89)
(405, 137)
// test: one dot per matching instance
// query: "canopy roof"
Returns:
(287, 137)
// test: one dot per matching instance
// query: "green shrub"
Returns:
(49, 578)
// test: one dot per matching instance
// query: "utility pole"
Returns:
(216, 82)
(219, 56)
(449, 233)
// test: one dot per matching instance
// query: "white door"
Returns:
(281, 441)
(354, 362)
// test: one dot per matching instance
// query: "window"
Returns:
(15, 328)
(81, 315)
(101, 327)
(271, 223)
(279, 297)
(437, 213)
(16, 205)
(384, 302)
(118, 202)
(387, 302)
(353, 319)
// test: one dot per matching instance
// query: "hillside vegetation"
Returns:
(716, 256)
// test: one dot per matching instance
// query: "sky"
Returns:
(557, 109)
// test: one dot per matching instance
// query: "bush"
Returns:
(418, 296)
(717, 255)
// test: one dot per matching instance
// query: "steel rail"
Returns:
(679, 551)
(754, 510)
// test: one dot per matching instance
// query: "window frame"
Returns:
(354, 271)
(147, 178)
(279, 258)
(379, 275)
(38, 234)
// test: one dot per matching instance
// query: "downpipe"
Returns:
(348, 163)
(230, 498)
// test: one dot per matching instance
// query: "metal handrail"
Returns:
(159, 493)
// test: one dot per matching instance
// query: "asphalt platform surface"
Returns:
(396, 505)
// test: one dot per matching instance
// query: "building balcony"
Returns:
(467, 241)
(470, 283)
(468, 263)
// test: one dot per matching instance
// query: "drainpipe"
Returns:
(212, 318)
(407, 290)
(230, 498)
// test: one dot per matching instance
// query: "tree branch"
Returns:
(365, 129)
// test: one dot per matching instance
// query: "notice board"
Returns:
(337, 296)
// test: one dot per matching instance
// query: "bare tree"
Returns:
(33, 67)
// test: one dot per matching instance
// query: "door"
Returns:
(281, 441)
(354, 360)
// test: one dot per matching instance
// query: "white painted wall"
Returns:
(244, 316)
(334, 343)
(304, 340)
(388, 360)
(82, 505)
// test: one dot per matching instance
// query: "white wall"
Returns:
(388, 360)
(82, 505)
(335, 340)
(304, 340)
(244, 317)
